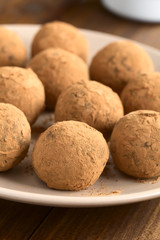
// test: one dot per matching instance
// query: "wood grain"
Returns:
(92, 15)
(135, 221)
(31, 11)
(140, 221)
(18, 221)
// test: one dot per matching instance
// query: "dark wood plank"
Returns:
(18, 221)
(97, 18)
(31, 11)
(139, 221)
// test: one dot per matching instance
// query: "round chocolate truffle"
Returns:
(119, 62)
(135, 144)
(60, 35)
(90, 102)
(142, 93)
(58, 69)
(15, 136)
(12, 49)
(70, 155)
(22, 88)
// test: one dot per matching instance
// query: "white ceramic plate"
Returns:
(112, 188)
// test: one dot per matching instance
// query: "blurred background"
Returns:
(89, 14)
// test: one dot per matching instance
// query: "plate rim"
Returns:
(85, 30)
(79, 201)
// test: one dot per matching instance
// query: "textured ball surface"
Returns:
(90, 102)
(70, 155)
(143, 93)
(135, 144)
(22, 88)
(12, 49)
(58, 69)
(60, 35)
(15, 136)
(118, 63)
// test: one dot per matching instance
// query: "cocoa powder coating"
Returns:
(90, 102)
(142, 93)
(58, 69)
(70, 155)
(60, 35)
(119, 62)
(135, 144)
(15, 136)
(12, 49)
(22, 88)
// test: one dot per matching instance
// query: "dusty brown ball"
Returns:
(58, 69)
(90, 102)
(60, 35)
(70, 155)
(142, 93)
(119, 62)
(12, 49)
(15, 136)
(22, 88)
(135, 144)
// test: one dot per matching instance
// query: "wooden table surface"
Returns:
(139, 221)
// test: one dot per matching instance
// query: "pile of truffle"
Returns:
(72, 153)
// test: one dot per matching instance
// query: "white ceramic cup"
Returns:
(143, 10)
